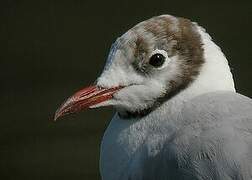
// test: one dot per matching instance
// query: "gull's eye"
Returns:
(157, 60)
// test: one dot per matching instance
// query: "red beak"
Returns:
(85, 98)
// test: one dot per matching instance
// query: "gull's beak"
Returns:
(85, 98)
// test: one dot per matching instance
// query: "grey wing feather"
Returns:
(214, 141)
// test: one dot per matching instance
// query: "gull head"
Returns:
(151, 63)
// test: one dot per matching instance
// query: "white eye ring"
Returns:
(164, 53)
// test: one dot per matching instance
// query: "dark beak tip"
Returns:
(58, 114)
(55, 117)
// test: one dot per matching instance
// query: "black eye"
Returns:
(157, 60)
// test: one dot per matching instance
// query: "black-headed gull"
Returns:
(178, 115)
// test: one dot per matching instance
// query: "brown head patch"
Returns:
(178, 37)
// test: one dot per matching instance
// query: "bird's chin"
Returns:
(123, 108)
(103, 104)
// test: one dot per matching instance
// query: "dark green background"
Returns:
(49, 49)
